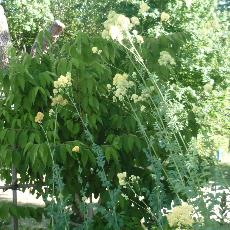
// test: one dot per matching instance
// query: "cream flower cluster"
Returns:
(51, 112)
(95, 50)
(181, 216)
(188, 3)
(208, 86)
(76, 149)
(135, 21)
(63, 82)
(39, 117)
(118, 27)
(59, 100)
(121, 177)
(165, 17)
(134, 178)
(166, 59)
(121, 85)
(145, 94)
(142, 108)
(143, 7)
(135, 98)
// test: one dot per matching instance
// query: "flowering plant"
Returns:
(117, 118)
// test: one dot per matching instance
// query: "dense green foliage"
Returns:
(152, 124)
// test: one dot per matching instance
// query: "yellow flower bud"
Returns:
(76, 149)
(39, 117)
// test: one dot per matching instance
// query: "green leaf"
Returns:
(63, 153)
(76, 129)
(68, 148)
(89, 85)
(8, 158)
(27, 147)
(45, 79)
(4, 211)
(2, 134)
(92, 159)
(117, 142)
(111, 152)
(130, 124)
(13, 211)
(43, 153)
(32, 137)
(84, 157)
(3, 152)
(22, 139)
(93, 121)
(11, 136)
(32, 95)
(33, 153)
(94, 103)
(84, 103)
(62, 67)
(128, 142)
(21, 82)
(69, 125)
(107, 153)
(116, 121)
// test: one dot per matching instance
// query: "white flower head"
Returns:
(116, 26)
(63, 82)
(135, 98)
(55, 91)
(58, 100)
(121, 178)
(39, 117)
(121, 85)
(142, 220)
(76, 149)
(143, 108)
(208, 87)
(165, 17)
(123, 22)
(141, 198)
(135, 33)
(51, 112)
(135, 21)
(140, 39)
(94, 50)
(105, 34)
(166, 59)
(108, 86)
(188, 3)
(125, 196)
(181, 215)
(116, 33)
(143, 7)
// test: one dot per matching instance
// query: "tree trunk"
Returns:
(54, 31)
(4, 39)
